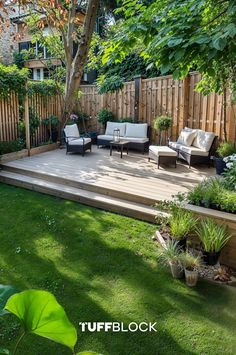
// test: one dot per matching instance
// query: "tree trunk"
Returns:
(75, 70)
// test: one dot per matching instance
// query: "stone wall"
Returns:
(7, 43)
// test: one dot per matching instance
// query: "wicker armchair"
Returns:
(74, 142)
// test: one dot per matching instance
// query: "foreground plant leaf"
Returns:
(5, 293)
(41, 314)
(4, 351)
(88, 353)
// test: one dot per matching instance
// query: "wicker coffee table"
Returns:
(120, 145)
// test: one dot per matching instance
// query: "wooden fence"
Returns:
(141, 99)
(145, 99)
(10, 117)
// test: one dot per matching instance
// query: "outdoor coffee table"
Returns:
(120, 145)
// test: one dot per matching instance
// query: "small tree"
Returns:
(162, 124)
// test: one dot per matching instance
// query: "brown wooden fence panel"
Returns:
(9, 118)
(44, 107)
(161, 96)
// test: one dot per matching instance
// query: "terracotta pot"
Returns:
(176, 271)
(191, 277)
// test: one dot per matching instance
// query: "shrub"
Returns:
(213, 193)
(104, 116)
(12, 146)
(162, 123)
(12, 79)
(109, 84)
(51, 120)
(225, 149)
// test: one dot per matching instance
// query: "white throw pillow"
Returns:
(72, 132)
(186, 137)
(204, 140)
(136, 130)
(111, 126)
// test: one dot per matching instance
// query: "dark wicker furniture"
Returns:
(75, 143)
(120, 145)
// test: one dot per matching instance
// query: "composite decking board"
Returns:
(132, 174)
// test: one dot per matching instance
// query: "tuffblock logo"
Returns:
(117, 327)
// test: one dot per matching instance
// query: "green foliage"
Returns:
(12, 79)
(34, 123)
(5, 293)
(104, 116)
(11, 146)
(170, 254)
(18, 58)
(41, 314)
(190, 261)
(52, 121)
(230, 176)
(212, 235)
(225, 149)
(45, 88)
(205, 41)
(181, 223)
(163, 123)
(110, 84)
(213, 193)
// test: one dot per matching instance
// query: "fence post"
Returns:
(184, 109)
(27, 124)
(138, 95)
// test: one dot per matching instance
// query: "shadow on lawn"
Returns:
(87, 270)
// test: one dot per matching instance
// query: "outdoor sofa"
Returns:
(74, 142)
(137, 134)
(195, 146)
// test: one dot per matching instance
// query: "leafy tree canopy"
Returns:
(177, 36)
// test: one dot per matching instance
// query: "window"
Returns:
(24, 46)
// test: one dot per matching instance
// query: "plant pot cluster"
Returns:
(175, 252)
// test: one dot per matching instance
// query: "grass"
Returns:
(103, 267)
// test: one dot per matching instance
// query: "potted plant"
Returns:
(162, 124)
(52, 126)
(224, 150)
(181, 223)
(213, 237)
(170, 255)
(190, 264)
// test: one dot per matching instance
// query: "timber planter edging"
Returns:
(5, 158)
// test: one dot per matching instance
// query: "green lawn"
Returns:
(103, 267)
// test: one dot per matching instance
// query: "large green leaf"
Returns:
(41, 314)
(5, 293)
(88, 353)
(4, 351)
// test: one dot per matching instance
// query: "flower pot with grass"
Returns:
(224, 150)
(170, 256)
(190, 264)
(181, 224)
(213, 237)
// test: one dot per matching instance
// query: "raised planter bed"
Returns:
(44, 148)
(13, 156)
(210, 273)
(228, 255)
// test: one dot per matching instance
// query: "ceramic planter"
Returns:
(220, 165)
(176, 270)
(191, 277)
(211, 258)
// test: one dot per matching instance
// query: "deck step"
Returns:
(121, 206)
(93, 187)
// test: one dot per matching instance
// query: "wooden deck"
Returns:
(132, 178)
